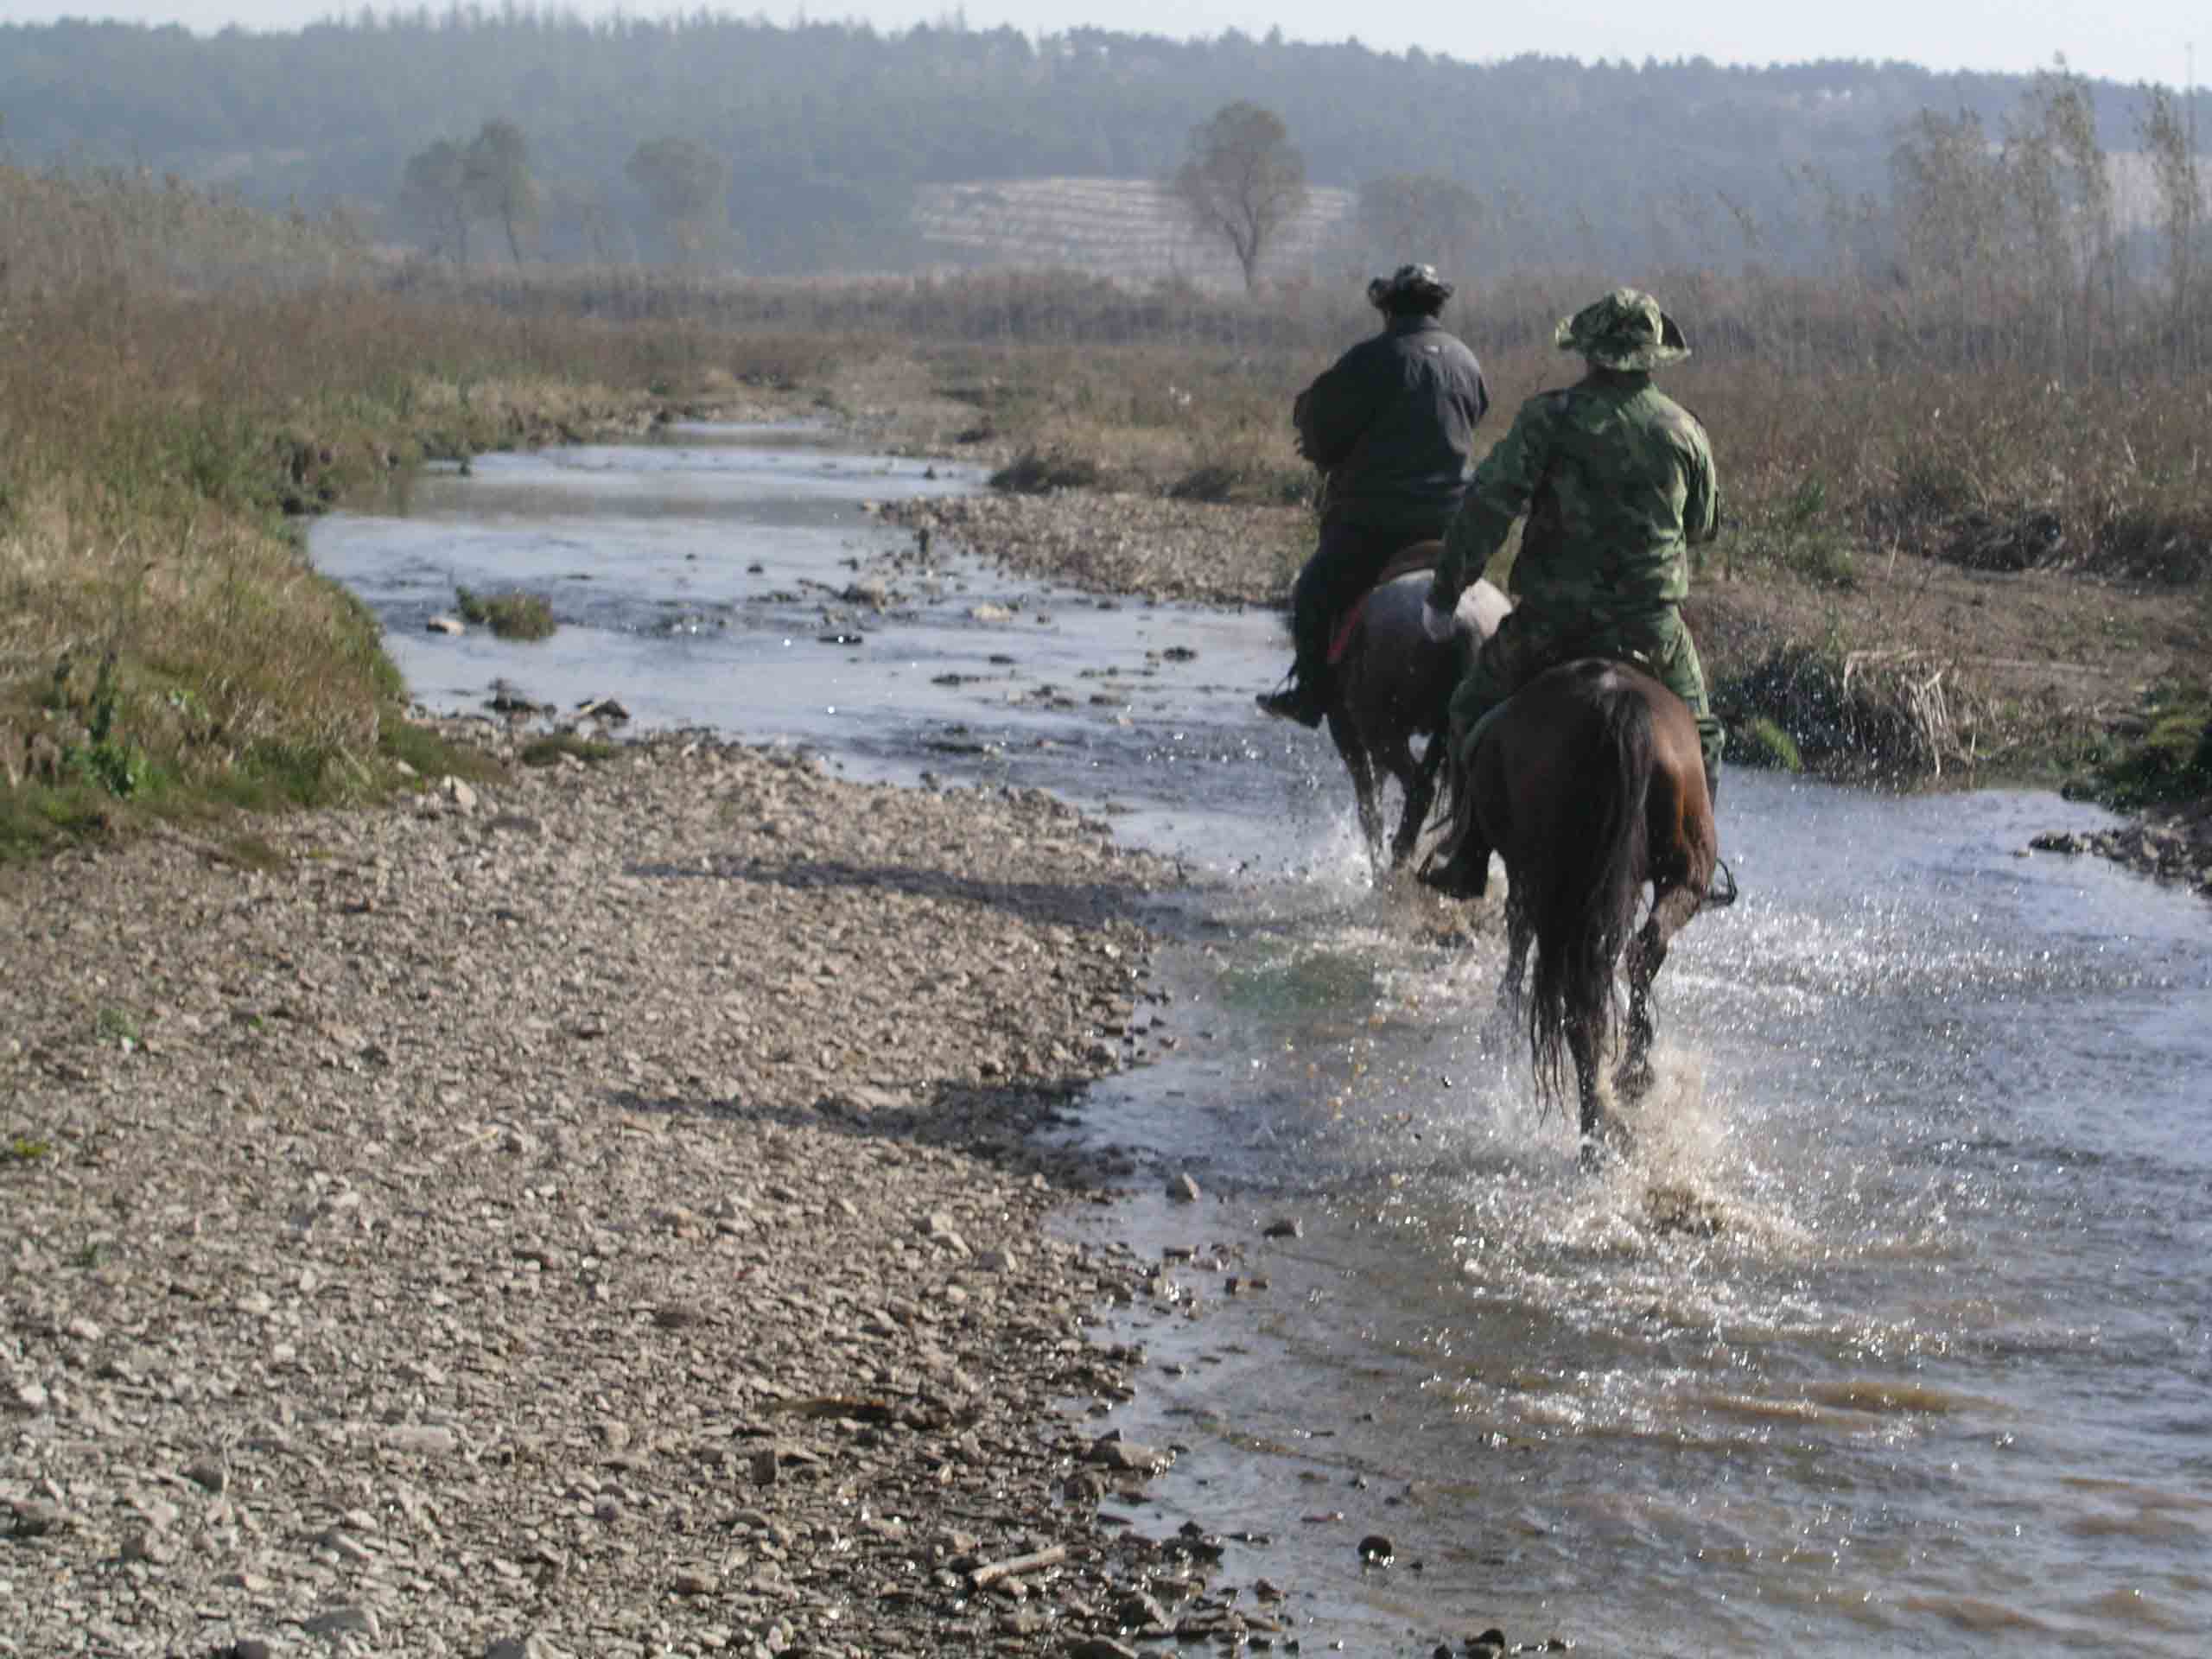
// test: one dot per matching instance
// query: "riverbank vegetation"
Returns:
(1957, 545)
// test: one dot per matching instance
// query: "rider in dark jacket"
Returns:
(1391, 425)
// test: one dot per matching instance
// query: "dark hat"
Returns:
(1417, 282)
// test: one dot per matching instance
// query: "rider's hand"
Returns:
(1439, 626)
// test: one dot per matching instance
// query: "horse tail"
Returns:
(1583, 907)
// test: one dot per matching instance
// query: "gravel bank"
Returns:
(2174, 846)
(592, 1213)
(1131, 544)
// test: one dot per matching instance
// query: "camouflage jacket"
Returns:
(1392, 423)
(1618, 481)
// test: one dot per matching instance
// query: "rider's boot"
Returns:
(1304, 701)
(1464, 874)
(1721, 889)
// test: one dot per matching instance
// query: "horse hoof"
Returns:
(1611, 1140)
(1634, 1081)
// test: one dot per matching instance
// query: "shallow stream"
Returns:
(1895, 1337)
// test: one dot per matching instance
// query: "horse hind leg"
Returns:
(1671, 910)
(1360, 763)
(1420, 780)
(1603, 1136)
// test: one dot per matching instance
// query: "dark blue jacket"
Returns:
(1392, 423)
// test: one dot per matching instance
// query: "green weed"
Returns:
(511, 615)
(547, 751)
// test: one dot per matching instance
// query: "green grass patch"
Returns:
(250, 852)
(1762, 742)
(548, 751)
(37, 820)
(2167, 763)
(24, 1149)
(512, 616)
(433, 755)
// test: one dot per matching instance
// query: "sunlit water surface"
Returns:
(1893, 1338)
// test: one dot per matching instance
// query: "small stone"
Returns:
(423, 1439)
(351, 1620)
(1376, 1550)
(346, 1547)
(1099, 1647)
(1182, 1190)
(1137, 1611)
(1285, 1227)
(763, 1467)
(151, 1545)
(447, 625)
(209, 1474)
(27, 1396)
(35, 1519)
(251, 1647)
(1129, 1456)
(690, 1582)
(458, 793)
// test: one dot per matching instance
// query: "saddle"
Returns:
(1411, 562)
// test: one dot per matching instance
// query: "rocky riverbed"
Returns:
(593, 1210)
(1129, 544)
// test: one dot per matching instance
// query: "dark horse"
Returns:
(1589, 784)
(1393, 684)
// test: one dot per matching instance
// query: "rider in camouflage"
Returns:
(1391, 424)
(1618, 481)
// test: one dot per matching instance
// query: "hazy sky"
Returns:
(2125, 40)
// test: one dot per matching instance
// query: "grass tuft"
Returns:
(512, 616)
(547, 751)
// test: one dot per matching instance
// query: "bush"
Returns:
(1035, 471)
(1861, 712)
(512, 616)
(2169, 763)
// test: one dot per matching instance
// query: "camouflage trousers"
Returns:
(1529, 641)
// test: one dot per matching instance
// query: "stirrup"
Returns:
(1718, 897)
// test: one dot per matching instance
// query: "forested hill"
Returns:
(827, 131)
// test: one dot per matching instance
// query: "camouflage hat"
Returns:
(1625, 330)
(1409, 282)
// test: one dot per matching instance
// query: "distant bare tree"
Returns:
(1949, 188)
(499, 184)
(1423, 217)
(434, 198)
(2181, 190)
(1243, 180)
(688, 188)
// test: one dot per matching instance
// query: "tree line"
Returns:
(826, 129)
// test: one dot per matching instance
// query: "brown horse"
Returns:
(1393, 684)
(1589, 784)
